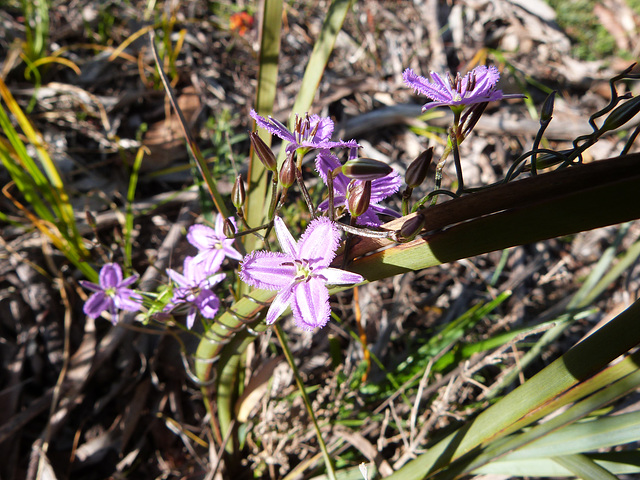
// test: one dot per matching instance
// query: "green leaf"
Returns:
(584, 468)
(618, 463)
(568, 379)
(271, 28)
(589, 435)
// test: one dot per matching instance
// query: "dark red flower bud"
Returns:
(358, 197)
(264, 153)
(237, 193)
(546, 111)
(229, 229)
(417, 170)
(366, 169)
(621, 114)
(412, 227)
(288, 172)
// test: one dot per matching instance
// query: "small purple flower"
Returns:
(300, 273)
(194, 289)
(477, 86)
(381, 188)
(311, 132)
(212, 244)
(111, 294)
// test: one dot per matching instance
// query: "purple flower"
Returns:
(300, 273)
(212, 244)
(477, 86)
(310, 132)
(194, 289)
(381, 188)
(111, 294)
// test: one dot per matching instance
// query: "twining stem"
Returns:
(456, 159)
(307, 403)
(274, 197)
(331, 198)
(305, 192)
(406, 196)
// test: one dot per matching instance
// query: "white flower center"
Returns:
(303, 270)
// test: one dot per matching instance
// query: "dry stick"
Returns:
(191, 145)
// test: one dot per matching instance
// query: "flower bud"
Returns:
(546, 111)
(412, 227)
(288, 172)
(358, 197)
(471, 117)
(264, 153)
(229, 229)
(621, 114)
(366, 169)
(417, 170)
(237, 193)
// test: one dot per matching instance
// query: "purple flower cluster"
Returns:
(193, 286)
(314, 133)
(301, 272)
(200, 273)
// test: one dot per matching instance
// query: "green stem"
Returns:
(307, 403)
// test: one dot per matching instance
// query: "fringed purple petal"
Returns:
(325, 129)
(383, 187)
(279, 304)
(435, 91)
(287, 243)
(310, 304)
(369, 219)
(338, 201)
(273, 126)
(379, 210)
(326, 162)
(267, 270)
(335, 276)
(319, 242)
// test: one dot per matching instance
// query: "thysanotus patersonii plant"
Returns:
(314, 216)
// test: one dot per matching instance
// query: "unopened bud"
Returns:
(287, 175)
(229, 228)
(366, 169)
(417, 170)
(358, 197)
(237, 193)
(621, 114)
(546, 111)
(471, 117)
(264, 153)
(412, 227)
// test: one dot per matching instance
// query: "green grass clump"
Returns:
(591, 40)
